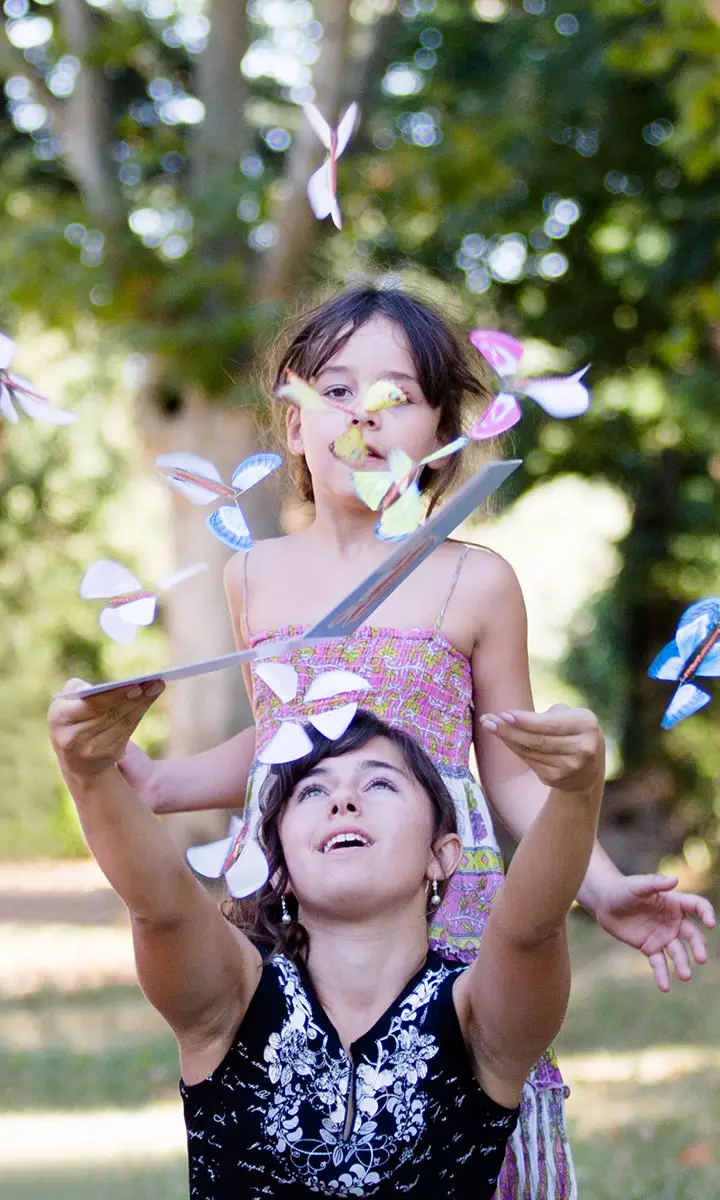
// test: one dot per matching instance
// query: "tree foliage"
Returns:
(557, 164)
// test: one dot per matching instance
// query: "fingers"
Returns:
(557, 720)
(646, 885)
(74, 685)
(698, 906)
(570, 754)
(679, 958)
(113, 705)
(538, 743)
(695, 939)
(660, 970)
(99, 726)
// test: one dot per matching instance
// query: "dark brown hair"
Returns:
(259, 916)
(447, 372)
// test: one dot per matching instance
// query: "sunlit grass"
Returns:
(645, 1075)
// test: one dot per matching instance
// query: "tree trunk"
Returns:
(207, 709)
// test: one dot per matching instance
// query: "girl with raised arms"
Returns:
(447, 647)
(351, 1060)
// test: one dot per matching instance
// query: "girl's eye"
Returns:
(312, 789)
(381, 783)
(338, 392)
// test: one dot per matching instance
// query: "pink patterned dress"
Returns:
(420, 683)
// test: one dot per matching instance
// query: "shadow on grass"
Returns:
(126, 1076)
(615, 1004)
(116, 1182)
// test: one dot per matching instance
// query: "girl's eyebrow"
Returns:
(373, 764)
(392, 375)
(368, 764)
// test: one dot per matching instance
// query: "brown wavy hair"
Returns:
(450, 374)
(260, 916)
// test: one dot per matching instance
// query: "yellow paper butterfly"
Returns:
(395, 493)
(350, 446)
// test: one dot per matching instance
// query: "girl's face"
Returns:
(357, 836)
(377, 350)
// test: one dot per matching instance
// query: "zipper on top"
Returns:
(349, 1104)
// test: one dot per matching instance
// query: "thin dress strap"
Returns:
(451, 589)
(246, 624)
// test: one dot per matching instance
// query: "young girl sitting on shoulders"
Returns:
(448, 646)
(353, 1061)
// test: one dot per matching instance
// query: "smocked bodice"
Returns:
(418, 682)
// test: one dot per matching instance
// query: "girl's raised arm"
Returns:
(512, 1001)
(644, 911)
(196, 969)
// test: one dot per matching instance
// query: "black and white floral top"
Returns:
(289, 1114)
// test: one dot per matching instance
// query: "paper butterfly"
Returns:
(14, 390)
(322, 185)
(395, 492)
(239, 857)
(564, 396)
(199, 480)
(129, 605)
(291, 741)
(694, 652)
(350, 447)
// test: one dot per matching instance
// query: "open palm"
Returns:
(647, 913)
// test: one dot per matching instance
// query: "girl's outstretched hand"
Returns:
(563, 746)
(647, 913)
(89, 736)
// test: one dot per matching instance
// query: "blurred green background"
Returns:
(549, 167)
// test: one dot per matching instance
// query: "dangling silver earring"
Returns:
(284, 911)
(435, 898)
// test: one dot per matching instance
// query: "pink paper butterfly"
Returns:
(563, 396)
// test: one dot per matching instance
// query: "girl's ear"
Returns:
(447, 852)
(293, 427)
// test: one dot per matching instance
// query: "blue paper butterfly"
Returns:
(695, 651)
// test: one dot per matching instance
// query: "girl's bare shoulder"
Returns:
(266, 556)
(490, 573)
(488, 586)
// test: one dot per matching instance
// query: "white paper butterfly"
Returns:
(239, 857)
(15, 390)
(199, 480)
(129, 605)
(291, 741)
(322, 185)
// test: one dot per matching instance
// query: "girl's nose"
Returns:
(346, 802)
(368, 420)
